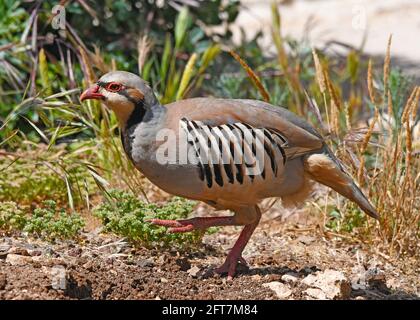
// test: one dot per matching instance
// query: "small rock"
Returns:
(256, 277)
(315, 293)
(290, 277)
(375, 274)
(145, 263)
(43, 260)
(35, 252)
(332, 283)
(75, 252)
(18, 260)
(306, 239)
(282, 291)
(4, 247)
(89, 266)
(18, 250)
(358, 280)
(161, 260)
(193, 272)
(164, 280)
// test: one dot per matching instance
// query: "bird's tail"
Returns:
(325, 168)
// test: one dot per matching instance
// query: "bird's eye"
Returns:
(114, 87)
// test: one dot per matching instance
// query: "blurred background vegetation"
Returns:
(54, 148)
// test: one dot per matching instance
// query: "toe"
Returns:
(186, 228)
(165, 223)
(243, 261)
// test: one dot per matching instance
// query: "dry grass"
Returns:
(388, 172)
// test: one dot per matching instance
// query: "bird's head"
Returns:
(123, 92)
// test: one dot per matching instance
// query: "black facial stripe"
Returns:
(137, 115)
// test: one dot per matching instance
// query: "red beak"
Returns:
(92, 93)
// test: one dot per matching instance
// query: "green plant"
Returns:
(125, 215)
(51, 223)
(47, 222)
(11, 217)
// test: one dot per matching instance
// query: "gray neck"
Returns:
(141, 129)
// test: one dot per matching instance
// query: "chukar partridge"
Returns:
(238, 153)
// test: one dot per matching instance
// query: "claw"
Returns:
(230, 265)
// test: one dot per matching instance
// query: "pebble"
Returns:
(193, 271)
(333, 285)
(19, 251)
(18, 260)
(281, 290)
(290, 277)
(144, 263)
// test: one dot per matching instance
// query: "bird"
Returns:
(239, 152)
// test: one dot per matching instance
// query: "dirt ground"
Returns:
(282, 259)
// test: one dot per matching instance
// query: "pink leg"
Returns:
(235, 254)
(193, 224)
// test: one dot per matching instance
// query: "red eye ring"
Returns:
(114, 87)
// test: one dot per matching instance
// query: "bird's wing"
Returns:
(300, 138)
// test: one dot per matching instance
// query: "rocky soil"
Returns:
(286, 262)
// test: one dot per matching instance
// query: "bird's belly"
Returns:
(183, 180)
(175, 179)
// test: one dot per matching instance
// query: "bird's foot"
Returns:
(174, 226)
(200, 223)
(230, 265)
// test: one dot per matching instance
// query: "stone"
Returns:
(290, 277)
(4, 247)
(18, 250)
(145, 263)
(281, 290)
(332, 283)
(35, 252)
(193, 271)
(306, 239)
(18, 260)
(315, 293)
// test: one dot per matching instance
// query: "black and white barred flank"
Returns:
(230, 152)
